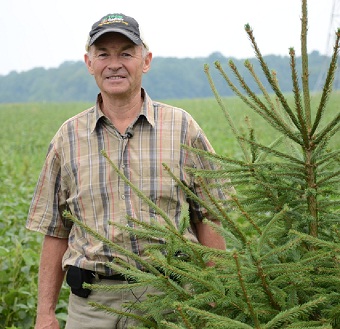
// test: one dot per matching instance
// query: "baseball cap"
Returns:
(120, 23)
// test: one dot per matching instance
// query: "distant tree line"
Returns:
(169, 78)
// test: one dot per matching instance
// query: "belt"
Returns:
(76, 277)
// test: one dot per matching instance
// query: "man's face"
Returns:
(117, 65)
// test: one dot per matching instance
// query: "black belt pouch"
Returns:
(75, 278)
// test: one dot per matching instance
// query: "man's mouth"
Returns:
(116, 77)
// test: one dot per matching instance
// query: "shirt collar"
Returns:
(147, 111)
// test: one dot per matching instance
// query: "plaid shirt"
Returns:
(77, 177)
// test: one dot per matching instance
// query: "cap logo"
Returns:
(110, 19)
(117, 22)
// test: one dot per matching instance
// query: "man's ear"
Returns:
(88, 63)
(147, 62)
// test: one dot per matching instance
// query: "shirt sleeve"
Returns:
(48, 202)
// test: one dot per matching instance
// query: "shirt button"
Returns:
(123, 196)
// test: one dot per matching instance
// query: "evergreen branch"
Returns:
(111, 310)
(297, 98)
(170, 325)
(248, 172)
(157, 209)
(293, 313)
(328, 178)
(202, 299)
(222, 173)
(184, 317)
(192, 277)
(266, 232)
(270, 116)
(120, 287)
(329, 156)
(331, 129)
(140, 194)
(270, 79)
(281, 186)
(251, 70)
(276, 81)
(304, 56)
(278, 124)
(276, 153)
(209, 209)
(296, 176)
(263, 111)
(157, 279)
(263, 277)
(109, 243)
(216, 319)
(274, 144)
(157, 230)
(220, 209)
(144, 233)
(245, 293)
(328, 84)
(233, 87)
(152, 230)
(265, 286)
(331, 279)
(310, 325)
(243, 98)
(253, 149)
(320, 255)
(294, 171)
(245, 213)
(288, 268)
(315, 241)
(184, 221)
(124, 266)
(282, 249)
(225, 111)
(213, 156)
(320, 149)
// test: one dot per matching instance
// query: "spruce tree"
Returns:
(281, 268)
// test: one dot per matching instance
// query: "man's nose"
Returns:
(114, 62)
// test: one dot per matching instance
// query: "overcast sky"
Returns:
(44, 33)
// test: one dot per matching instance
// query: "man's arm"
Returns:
(51, 277)
(207, 236)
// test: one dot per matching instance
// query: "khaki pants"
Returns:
(83, 316)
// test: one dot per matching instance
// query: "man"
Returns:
(138, 136)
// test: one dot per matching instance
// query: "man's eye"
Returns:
(126, 55)
(102, 55)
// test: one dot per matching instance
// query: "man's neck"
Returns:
(122, 112)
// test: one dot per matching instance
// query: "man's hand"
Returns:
(46, 321)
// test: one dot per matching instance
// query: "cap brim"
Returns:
(128, 34)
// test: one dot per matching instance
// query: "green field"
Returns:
(24, 138)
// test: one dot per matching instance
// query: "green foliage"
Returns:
(24, 139)
(281, 267)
